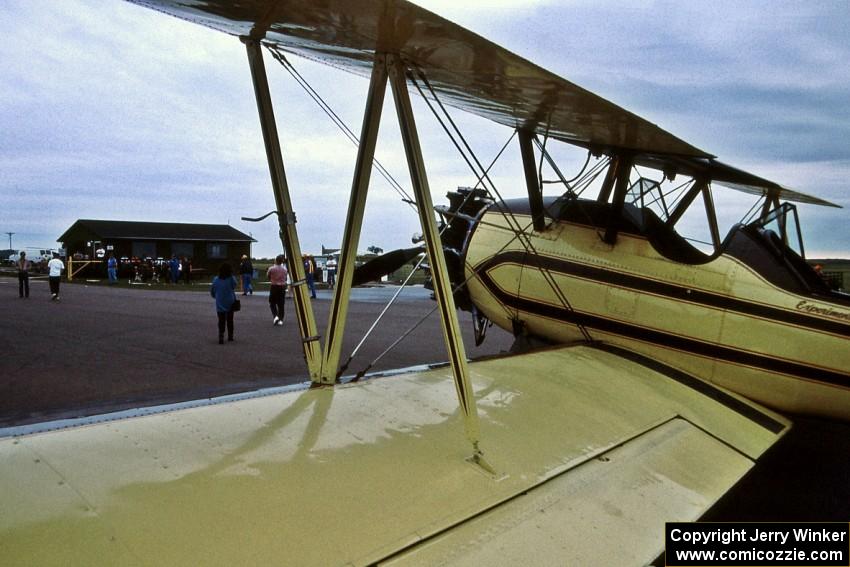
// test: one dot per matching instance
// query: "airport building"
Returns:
(207, 245)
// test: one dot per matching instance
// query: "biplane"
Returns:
(657, 390)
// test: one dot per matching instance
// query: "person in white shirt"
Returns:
(55, 266)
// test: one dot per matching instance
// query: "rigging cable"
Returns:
(542, 157)
(413, 271)
(684, 187)
(748, 216)
(482, 176)
(566, 182)
(662, 194)
(584, 183)
(401, 337)
(507, 215)
(326, 108)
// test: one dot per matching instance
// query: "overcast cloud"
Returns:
(113, 111)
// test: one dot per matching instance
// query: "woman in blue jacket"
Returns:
(223, 289)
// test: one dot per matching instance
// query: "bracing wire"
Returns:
(413, 271)
(662, 194)
(473, 274)
(566, 182)
(379, 317)
(684, 187)
(749, 215)
(506, 214)
(515, 227)
(543, 155)
(352, 137)
(347, 132)
(580, 172)
(584, 183)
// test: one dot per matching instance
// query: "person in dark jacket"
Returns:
(246, 270)
(223, 289)
(187, 270)
(24, 276)
(310, 273)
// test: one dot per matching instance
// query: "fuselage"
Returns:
(745, 318)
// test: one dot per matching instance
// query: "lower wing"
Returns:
(593, 451)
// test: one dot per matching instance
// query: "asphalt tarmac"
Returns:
(102, 349)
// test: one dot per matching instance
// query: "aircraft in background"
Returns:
(575, 454)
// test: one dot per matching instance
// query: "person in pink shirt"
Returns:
(277, 292)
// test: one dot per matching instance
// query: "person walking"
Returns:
(331, 266)
(174, 264)
(24, 266)
(310, 272)
(223, 289)
(246, 270)
(187, 270)
(112, 269)
(277, 290)
(54, 276)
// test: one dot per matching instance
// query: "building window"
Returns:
(144, 249)
(216, 251)
(181, 249)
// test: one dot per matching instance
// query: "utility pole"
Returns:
(10, 239)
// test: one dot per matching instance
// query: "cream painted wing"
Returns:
(593, 451)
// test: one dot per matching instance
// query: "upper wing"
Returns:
(748, 183)
(466, 70)
(594, 451)
(727, 176)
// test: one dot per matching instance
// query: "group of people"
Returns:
(223, 290)
(178, 268)
(311, 271)
(54, 275)
(148, 270)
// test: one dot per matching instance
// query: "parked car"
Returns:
(34, 255)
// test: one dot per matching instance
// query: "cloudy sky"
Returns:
(112, 111)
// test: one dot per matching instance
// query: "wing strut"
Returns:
(285, 214)
(535, 191)
(711, 217)
(354, 219)
(436, 258)
(623, 166)
(608, 182)
(771, 201)
(698, 187)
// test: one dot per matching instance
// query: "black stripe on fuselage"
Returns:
(672, 291)
(738, 406)
(636, 332)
